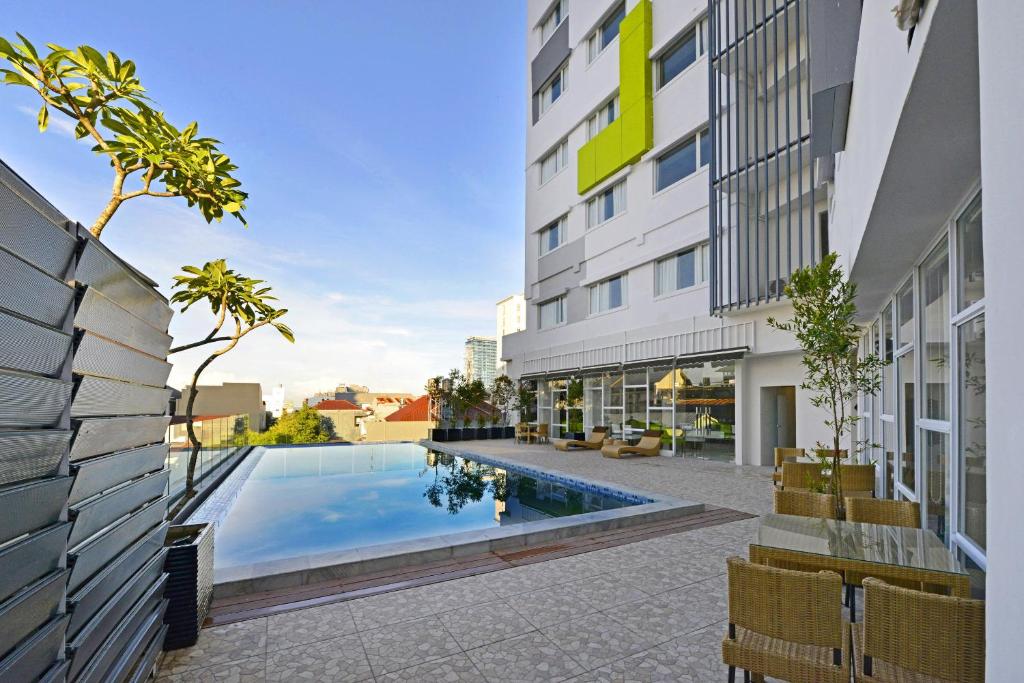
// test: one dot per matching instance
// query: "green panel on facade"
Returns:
(627, 138)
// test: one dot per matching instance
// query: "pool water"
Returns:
(315, 499)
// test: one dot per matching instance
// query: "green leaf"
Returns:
(43, 118)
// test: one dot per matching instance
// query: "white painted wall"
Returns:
(1001, 53)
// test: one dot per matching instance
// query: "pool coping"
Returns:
(332, 566)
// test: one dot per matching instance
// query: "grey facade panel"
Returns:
(147, 660)
(36, 655)
(103, 358)
(557, 285)
(106, 318)
(28, 291)
(551, 56)
(32, 558)
(31, 347)
(103, 271)
(834, 29)
(92, 516)
(30, 609)
(135, 652)
(31, 228)
(96, 436)
(97, 397)
(30, 401)
(32, 506)
(99, 474)
(577, 304)
(31, 454)
(569, 256)
(91, 557)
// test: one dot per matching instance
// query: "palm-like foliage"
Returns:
(104, 97)
(241, 305)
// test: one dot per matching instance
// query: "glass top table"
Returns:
(871, 549)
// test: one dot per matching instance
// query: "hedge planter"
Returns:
(190, 584)
(455, 434)
(510, 432)
(496, 432)
(440, 435)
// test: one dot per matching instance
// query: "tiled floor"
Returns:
(647, 611)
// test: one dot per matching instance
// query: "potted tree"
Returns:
(482, 431)
(824, 325)
(502, 397)
(456, 405)
(574, 399)
(436, 393)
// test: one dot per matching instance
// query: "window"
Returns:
(605, 33)
(682, 270)
(678, 56)
(682, 160)
(552, 236)
(973, 463)
(552, 21)
(971, 262)
(608, 295)
(935, 344)
(554, 88)
(607, 204)
(554, 162)
(552, 313)
(602, 117)
(822, 234)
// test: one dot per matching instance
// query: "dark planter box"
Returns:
(455, 434)
(510, 432)
(483, 432)
(496, 432)
(579, 436)
(439, 435)
(469, 433)
(190, 584)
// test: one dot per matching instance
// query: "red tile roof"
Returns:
(336, 405)
(413, 411)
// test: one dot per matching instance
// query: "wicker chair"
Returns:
(541, 435)
(879, 511)
(805, 504)
(908, 635)
(858, 480)
(783, 455)
(786, 624)
(801, 476)
(522, 432)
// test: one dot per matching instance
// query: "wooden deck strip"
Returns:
(242, 607)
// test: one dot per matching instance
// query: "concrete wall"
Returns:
(398, 431)
(230, 398)
(1001, 53)
(345, 425)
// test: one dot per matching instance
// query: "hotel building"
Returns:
(748, 139)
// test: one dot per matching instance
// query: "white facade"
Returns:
(511, 318)
(626, 303)
(274, 401)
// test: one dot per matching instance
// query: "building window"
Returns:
(552, 236)
(552, 313)
(608, 295)
(682, 160)
(971, 262)
(682, 270)
(679, 55)
(554, 88)
(600, 119)
(606, 205)
(823, 234)
(552, 21)
(554, 162)
(606, 32)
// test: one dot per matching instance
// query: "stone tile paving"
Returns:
(653, 610)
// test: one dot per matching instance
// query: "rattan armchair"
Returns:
(907, 635)
(802, 476)
(805, 504)
(522, 432)
(858, 480)
(786, 624)
(784, 455)
(880, 511)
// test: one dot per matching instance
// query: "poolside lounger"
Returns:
(593, 443)
(650, 444)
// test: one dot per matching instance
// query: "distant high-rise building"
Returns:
(274, 401)
(511, 319)
(480, 358)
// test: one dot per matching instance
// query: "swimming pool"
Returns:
(289, 502)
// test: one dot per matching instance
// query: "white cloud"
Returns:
(59, 123)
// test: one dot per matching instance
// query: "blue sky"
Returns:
(382, 144)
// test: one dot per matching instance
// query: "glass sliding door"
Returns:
(660, 392)
(972, 423)
(611, 384)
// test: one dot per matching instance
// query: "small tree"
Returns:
(824, 325)
(503, 393)
(305, 425)
(105, 99)
(236, 301)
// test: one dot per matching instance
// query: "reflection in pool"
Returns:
(316, 499)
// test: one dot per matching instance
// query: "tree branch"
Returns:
(201, 342)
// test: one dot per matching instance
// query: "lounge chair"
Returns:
(593, 443)
(650, 444)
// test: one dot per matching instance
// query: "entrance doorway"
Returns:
(778, 421)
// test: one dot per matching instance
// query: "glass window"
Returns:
(935, 350)
(552, 236)
(552, 313)
(636, 409)
(550, 93)
(603, 117)
(553, 19)
(660, 386)
(611, 382)
(606, 33)
(971, 287)
(608, 295)
(679, 271)
(676, 164)
(905, 378)
(705, 148)
(973, 463)
(936, 448)
(889, 447)
(554, 162)
(705, 415)
(607, 204)
(905, 315)
(889, 369)
(680, 55)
